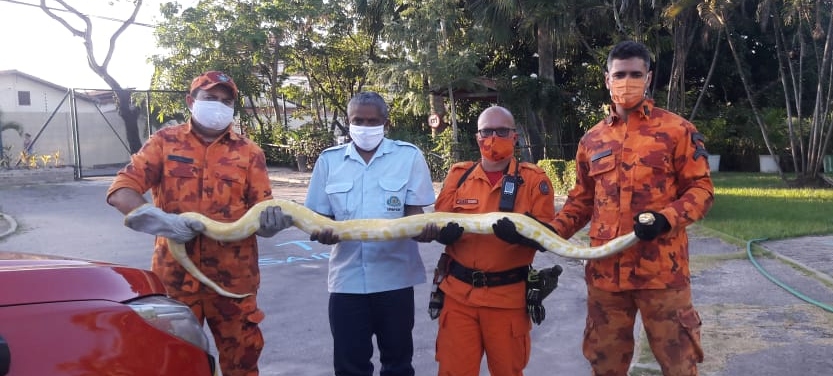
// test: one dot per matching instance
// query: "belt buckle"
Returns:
(478, 278)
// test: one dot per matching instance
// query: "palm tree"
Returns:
(430, 49)
(803, 34)
(509, 21)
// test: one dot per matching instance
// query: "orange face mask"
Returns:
(627, 92)
(496, 148)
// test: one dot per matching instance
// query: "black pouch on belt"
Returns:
(539, 285)
(435, 304)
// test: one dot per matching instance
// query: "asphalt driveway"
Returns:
(751, 326)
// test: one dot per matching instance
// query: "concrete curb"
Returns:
(12, 225)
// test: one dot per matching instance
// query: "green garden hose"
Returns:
(781, 284)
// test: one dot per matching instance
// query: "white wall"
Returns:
(99, 144)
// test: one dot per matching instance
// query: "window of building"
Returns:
(24, 98)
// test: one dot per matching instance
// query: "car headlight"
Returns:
(173, 317)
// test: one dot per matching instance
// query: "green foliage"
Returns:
(309, 141)
(412, 53)
(436, 150)
(438, 163)
(562, 174)
(274, 147)
(443, 147)
(440, 151)
(5, 157)
(716, 132)
(731, 130)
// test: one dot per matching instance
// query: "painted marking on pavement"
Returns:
(264, 261)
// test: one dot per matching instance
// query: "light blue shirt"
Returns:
(344, 187)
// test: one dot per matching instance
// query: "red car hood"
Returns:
(32, 278)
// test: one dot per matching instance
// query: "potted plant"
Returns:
(306, 143)
(776, 119)
(717, 140)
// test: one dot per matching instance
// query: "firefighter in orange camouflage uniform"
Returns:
(204, 166)
(640, 162)
(485, 305)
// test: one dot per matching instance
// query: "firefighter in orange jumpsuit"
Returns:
(485, 304)
(641, 162)
(203, 166)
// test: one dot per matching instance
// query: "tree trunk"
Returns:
(708, 76)
(130, 115)
(550, 129)
(683, 37)
(750, 98)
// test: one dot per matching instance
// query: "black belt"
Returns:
(479, 278)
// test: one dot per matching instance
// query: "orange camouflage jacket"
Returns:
(221, 180)
(486, 252)
(656, 161)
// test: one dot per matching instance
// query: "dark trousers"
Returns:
(355, 318)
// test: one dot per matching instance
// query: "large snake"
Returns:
(385, 229)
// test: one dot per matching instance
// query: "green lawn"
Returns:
(753, 205)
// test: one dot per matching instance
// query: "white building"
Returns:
(44, 109)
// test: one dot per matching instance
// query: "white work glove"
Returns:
(272, 220)
(152, 220)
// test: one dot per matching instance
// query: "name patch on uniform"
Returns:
(467, 201)
(544, 188)
(601, 155)
(394, 204)
(180, 158)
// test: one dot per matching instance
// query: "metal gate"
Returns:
(83, 128)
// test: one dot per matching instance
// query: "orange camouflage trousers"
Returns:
(670, 321)
(466, 332)
(234, 325)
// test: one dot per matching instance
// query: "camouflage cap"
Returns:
(211, 79)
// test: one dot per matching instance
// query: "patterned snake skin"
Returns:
(385, 229)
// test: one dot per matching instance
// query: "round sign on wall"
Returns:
(434, 121)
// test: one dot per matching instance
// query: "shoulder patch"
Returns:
(699, 148)
(544, 188)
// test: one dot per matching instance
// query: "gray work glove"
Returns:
(272, 220)
(152, 220)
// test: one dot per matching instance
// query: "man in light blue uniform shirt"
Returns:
(371, 283)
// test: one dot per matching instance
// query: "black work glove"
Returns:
(539, 285)
(549, 279)
(325, 236)
(505, 230)
(537, 312)
(450, 233)
(648, 228)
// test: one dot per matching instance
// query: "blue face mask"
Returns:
(213, 115)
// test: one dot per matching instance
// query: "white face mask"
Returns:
(212, 114)
(367, 138)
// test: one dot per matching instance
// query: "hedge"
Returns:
(562, 174)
